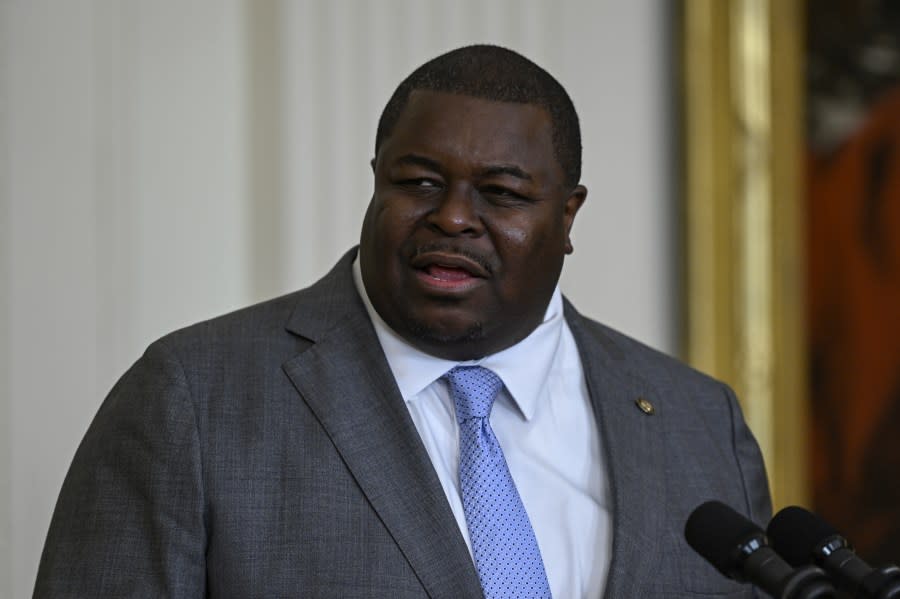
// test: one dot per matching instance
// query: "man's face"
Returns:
(464, 239)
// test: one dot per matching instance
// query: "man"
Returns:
(432, 418)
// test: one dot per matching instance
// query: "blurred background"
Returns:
(165, 161)
(852, 208)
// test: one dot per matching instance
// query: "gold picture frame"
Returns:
(742, 100)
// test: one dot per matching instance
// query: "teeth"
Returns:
(448, 273)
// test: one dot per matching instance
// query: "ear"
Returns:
(372, 164)
(570, 209)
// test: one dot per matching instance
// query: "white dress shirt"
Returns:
(546, 427)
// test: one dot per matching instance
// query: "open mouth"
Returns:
(447, 273)
(452, 272)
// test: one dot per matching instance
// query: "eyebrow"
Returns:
(418, 160)
(492, 170)
(506, 169)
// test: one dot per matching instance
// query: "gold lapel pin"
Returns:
(645, 406)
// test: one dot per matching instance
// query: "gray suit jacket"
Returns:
(268, 453)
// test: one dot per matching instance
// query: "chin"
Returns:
(431, 337)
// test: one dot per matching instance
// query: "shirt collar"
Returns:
(523, 367)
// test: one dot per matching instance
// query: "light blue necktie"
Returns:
(506, 552)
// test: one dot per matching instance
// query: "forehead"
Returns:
(474, 130)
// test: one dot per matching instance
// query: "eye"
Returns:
(502, 195)
(424, 183)
(420, 183)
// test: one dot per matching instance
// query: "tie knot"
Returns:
(473, 389)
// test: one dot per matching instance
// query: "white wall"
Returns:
(166, 160)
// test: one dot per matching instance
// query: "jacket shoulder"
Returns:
(647, 362)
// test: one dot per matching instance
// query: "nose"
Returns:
(455, 213)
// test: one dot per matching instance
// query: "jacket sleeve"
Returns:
(750, 461)
(753, 471)
(129, 520)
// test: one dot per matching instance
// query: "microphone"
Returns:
(739, 550)
(802, 537)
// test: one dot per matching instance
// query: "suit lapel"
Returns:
(346, 381)
(632, 445)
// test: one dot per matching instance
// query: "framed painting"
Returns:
(791, 188)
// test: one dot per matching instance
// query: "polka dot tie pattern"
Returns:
(506, 552)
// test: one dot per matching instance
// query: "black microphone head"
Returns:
(796, 534)
(721, 535)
